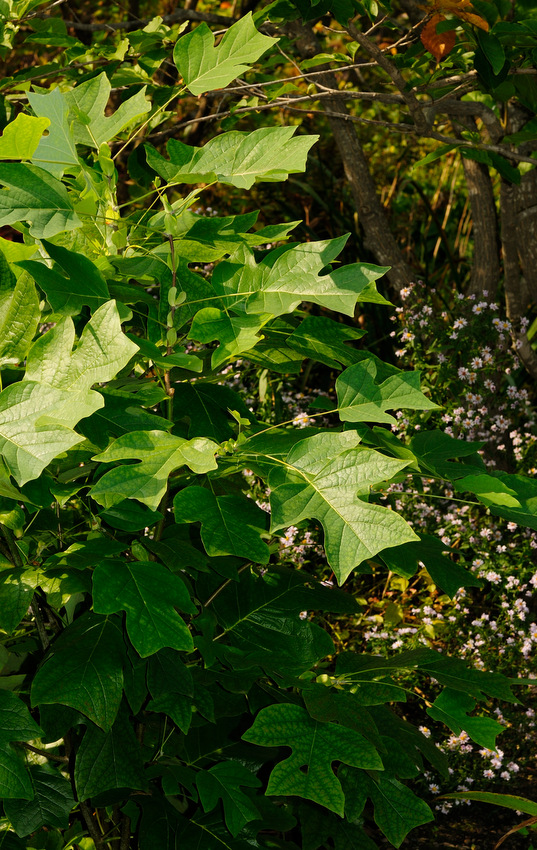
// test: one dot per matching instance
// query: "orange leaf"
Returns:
(439, 44)
(462, 9)
(476, 20)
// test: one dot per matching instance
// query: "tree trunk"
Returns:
(486, 260)
(515, 295)
(371, 216)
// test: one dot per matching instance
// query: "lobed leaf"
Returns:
(204, 66)
(50, 807)
(160, 454)
(328, 477)
(369, 388)
(34, 196)
(22, 136)
(149, 593)
(236, 158)
(307, 771)
(84, 671)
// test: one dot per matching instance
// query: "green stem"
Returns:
(9, 537)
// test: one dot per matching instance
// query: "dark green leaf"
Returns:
(149, 593)
(452, 708)
(512, 497)
(231, 525)
(108, 760)
(431, 552)
(307, 772)
(397, 809)
(51, 805)
(84, 670)
(62, 288)
(223, 782)
(15, 596)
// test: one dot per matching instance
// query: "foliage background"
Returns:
(427, 225)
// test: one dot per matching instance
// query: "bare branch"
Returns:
(178, 15)
(415, 107)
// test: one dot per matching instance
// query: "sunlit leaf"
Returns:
(307, 771)
(204, 66)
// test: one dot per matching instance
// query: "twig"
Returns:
(415, 107)
(45, 753)
(93, 830)
(400, 128)
(178, 15)
(125, 833)
(41, 631)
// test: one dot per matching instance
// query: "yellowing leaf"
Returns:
(439, 44)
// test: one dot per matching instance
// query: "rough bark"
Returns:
(515, 297)
(525, 210)
(486, 261)
(371, 215)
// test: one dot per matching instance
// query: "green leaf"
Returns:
(318, 826)
(20, 138)
(513, 497)
(171, 686)
(56, 151)
(108, 760)
(103, 349)
(34, 196)
(236, 334)
(397, 809)
(120, 415)
(435, 448)
(62, 288)
(236, 158)
(88, 101)
(368, 388)
(223, 782)
(292, 274)
(15, 596)
(30, 434)
(50, 807)
(261, 619)
(431, 552)
(204, 66)
(84, 670)
(451, 672)
(328, 477)
(149, 593)
(307, 772)
(38, 414)
(19, 317)
(231, 525)
(492, 49)
(10, 841)
(16, 724)
(452, 707)
(507, 801)
(207, 406)
(160, 454)
(323, 340)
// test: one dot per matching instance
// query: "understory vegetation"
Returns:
(268, 425)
